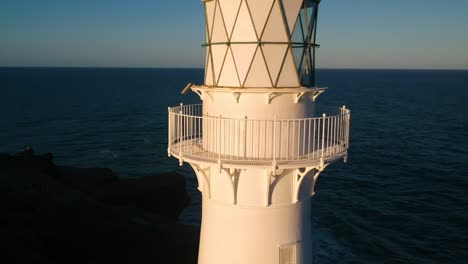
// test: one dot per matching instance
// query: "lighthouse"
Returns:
(259, 140)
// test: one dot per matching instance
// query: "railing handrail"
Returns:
(176, 110)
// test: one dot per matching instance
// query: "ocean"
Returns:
(401, 198)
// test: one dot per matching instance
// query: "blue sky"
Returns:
(410, 34)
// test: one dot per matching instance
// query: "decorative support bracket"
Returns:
(316, 175)
(299, 180)
(316, 94)
(269, 97)
(237, 96)
(219, 165)
(199, 93)
(235, 182)
(322, 165)
(298, 97)
(268, 175)
(274, 168)
(209, 94)
(202, 177)
(233, 175)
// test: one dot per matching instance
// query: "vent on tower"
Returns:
(287, 254)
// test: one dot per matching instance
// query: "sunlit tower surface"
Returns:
(258, 142)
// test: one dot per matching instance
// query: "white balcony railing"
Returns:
(194, 137)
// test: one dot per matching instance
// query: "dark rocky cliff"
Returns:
(54, 214)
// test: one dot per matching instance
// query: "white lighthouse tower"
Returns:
(258, 142)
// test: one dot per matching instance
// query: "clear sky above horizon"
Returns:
(398, 34)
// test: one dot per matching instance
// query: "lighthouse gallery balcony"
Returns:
(288, 143)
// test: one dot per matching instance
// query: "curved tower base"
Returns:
(254, 216)
(232, 234)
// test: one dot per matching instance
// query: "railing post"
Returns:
(287, 139)
(169, 132)
(343, 118)
(180, 134)
(343, 128)
(323, 133)
(245, 137)
(274, 139)
(219, 141)
(309, 121)
(348, 117)
(208, 132)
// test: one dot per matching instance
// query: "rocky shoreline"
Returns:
(57, 214)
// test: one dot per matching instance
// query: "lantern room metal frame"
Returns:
(297, 46)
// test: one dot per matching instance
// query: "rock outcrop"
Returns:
(53, 214)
